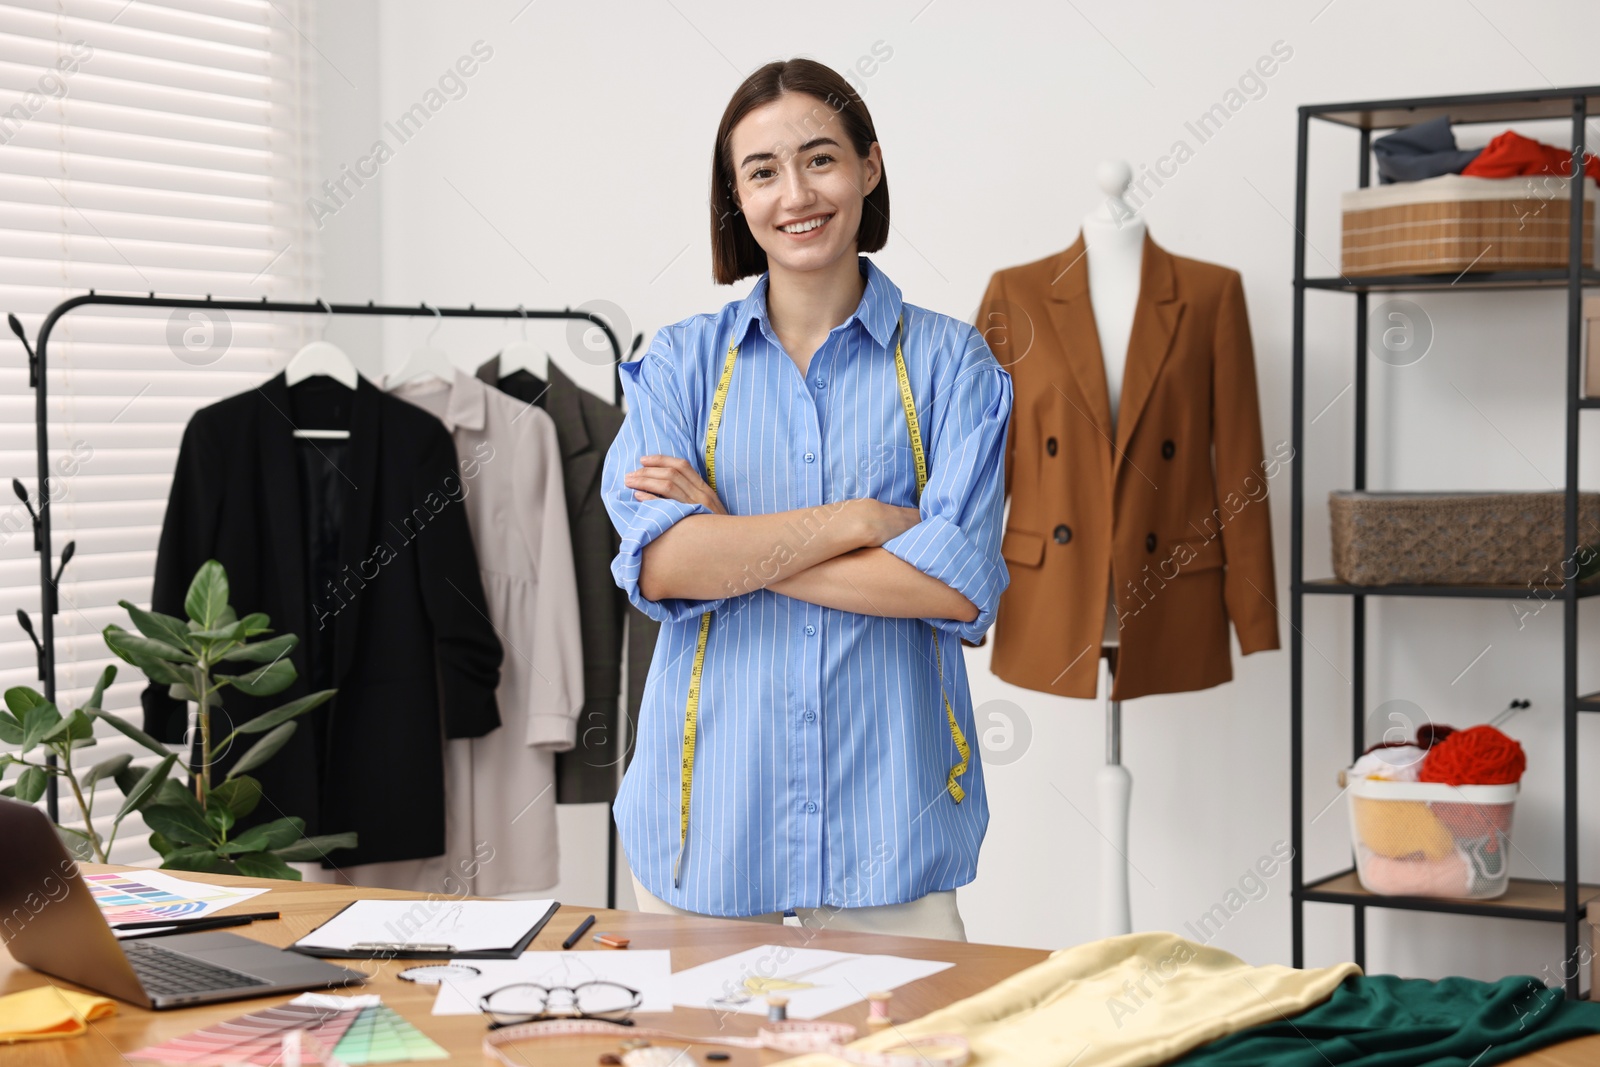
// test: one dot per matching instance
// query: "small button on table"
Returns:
(1150, 542)
(1167, 449)
(1050, 445)
(811, 631)
(1063, 534)
(811, 457)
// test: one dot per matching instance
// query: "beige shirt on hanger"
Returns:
(500, 803)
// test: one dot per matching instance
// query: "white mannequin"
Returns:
(1114, 239)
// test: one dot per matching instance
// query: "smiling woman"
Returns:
(808, 491)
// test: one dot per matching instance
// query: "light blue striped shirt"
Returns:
(823, 746)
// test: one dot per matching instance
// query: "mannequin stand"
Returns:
(1115, 788)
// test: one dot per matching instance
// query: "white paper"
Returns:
(817, 981)
(647, 970)
(146, 896)
(464, 925)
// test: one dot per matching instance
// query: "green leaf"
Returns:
(197, 858)
(256, 624)
(279, 833)
(143, 792)
(239, 795)
(77, 843)
(38, 722)
(265, 865)
(156, 626)
(308, 849)
(234, 631)
(183, 692)
(157, 670)
(134, 648)
(264, 681)
(21, 698)
(128, 778)
(106, 768)
(10, 729)
(173, 791)
(181, 825)
(107, 676)
(160, 843)
(262, 750)
(127, 729)
(268, 651)
(295, 708)
(75, 727)
(207, 598)
(30, 786)
(218, 817)
(9, 791)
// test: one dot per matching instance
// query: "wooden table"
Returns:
(692, 941)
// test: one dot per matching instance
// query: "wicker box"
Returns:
(1455, 538)
(1451, 224)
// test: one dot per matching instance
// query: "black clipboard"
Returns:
(411, 951)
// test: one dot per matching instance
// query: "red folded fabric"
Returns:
(1511, 154)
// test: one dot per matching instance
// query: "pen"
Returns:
(572, 938)
(230, 920)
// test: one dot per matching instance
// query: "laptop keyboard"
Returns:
(164, 972)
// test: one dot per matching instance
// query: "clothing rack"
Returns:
(50, 576)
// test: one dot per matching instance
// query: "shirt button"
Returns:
(1150, 542)
(822, 383)
(1050, 445)
(811, 457)
(811, 807)
(1063, 534)
(810, 716)
(811, 631)
(1167, 449)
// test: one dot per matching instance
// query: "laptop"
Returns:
(49, 921)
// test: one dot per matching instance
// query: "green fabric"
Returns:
(1384, 1021)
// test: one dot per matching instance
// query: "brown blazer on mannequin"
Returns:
(1186, 480)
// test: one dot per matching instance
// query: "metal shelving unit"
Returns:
(1565, 903)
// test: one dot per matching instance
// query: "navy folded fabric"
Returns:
(1425, 150)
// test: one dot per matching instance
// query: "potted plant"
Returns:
(191, 825)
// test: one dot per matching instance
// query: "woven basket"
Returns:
(1454, 224)
(1455, 538)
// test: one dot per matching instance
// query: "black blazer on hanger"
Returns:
(402, 631)
(585, 428)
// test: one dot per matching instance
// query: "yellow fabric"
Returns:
(1401, 828)
(1130, 1001)
(49, 1011)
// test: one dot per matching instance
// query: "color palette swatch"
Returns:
(154, 895)
(359, 1030)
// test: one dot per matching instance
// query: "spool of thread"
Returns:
(878, 1010)
(777, 1008)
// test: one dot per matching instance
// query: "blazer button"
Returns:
(1167, 449)
(1050, 445)
(1063, 534)
(1150, 542)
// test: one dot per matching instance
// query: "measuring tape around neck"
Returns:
(691, 715)
(794, 1037)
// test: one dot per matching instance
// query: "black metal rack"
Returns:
(1567, 902)
(50, 573)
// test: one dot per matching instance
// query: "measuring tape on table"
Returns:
(793, 1037)
(691, 715)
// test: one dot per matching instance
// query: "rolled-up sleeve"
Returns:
(657, 423)
(958, 539)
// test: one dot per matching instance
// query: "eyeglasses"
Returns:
(527, 1002)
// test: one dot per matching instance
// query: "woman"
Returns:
(803, 741)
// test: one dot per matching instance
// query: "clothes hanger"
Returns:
(426, 361)
(524, 354)
(326, 359)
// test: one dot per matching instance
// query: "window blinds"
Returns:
(143, 146)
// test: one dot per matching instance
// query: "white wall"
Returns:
(575, 166)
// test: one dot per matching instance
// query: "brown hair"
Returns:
(734, 251)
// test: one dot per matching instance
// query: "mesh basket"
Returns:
(1425, 839)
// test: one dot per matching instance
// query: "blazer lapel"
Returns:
(280, 481)
(1072, 315)
(580, 462)
(1155, 321)
(360, 487)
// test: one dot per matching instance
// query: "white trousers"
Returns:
(934, 915)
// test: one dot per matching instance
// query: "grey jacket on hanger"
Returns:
(585, 428)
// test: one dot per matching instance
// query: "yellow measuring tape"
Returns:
(691, 715)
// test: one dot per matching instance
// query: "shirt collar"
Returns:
(465, 405)
(878, 311)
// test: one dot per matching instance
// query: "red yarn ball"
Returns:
(1478, 755)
